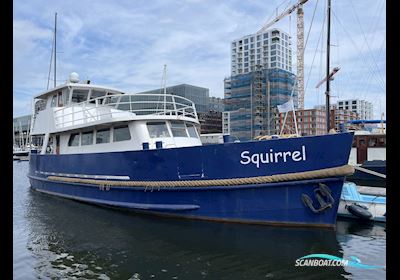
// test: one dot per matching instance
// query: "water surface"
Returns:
(56, 238)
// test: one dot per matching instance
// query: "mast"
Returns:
(13, 134)
(327, 93)
(55, 50)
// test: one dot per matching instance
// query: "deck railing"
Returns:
(117, 106)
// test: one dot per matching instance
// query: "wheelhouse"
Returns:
(84, 118)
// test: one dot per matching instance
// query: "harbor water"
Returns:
(55, 238)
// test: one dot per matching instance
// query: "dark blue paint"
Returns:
(220, 161)
(264, 203)
(277, 202)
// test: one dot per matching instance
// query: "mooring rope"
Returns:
(314, 174)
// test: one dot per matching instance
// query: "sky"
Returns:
(125, 44)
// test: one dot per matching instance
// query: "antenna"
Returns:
(55, 50)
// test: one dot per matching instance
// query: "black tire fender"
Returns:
(359, 211)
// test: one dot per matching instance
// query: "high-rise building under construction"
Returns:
(261, 79)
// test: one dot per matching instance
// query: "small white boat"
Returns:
(361, 206)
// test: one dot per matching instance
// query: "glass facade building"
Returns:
(198, 95)
(252, 101)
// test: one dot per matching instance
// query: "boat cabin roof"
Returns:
(46, 94)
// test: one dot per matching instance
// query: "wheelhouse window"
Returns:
(74, 139)
(103, 136)
(121, 133)
(158, 129)
(79, 95)
(87, 138)
(178, 129)
(191, 130)
(95, 94)
(65, 97)
(54, 101)
(40, 105)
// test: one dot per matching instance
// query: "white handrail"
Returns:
(110, 106)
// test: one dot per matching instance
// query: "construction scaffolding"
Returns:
(252, 101)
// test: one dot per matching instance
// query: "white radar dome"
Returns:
(74, 77)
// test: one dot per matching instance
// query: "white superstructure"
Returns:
(83, 118)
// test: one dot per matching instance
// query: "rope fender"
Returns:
(344, 170)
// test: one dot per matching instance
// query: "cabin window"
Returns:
(59, 99)
(79, 95)
(96, 94)
(74, 139)
(178, 129)
(54, 101)
(87, 138)
(65, 97)
(40, 105)
(158, 129)
(49, 148)
(372, 142)
(121, 133)
(103, 136)
(192, 130)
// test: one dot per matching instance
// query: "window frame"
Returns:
(70, 137)
(119, 127)
(152, 123)
(102, 130)
(86, 133)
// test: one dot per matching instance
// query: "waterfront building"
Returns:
(261, 79)
(309, 122)
(252, 101)
(363, 108)
(313, 121)
(226, 123)
(339, 116)
(270, 49)
(198, 95)
(216, 104)
(210, 122)
(21, 126)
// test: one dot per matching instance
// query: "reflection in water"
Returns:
(366, 241)
(75, 239)
(56, 238)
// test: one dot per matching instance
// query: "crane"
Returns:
(300, 44)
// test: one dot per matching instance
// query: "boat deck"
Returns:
(371, 190)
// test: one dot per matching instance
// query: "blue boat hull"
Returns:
(275, 203)
(271, 203)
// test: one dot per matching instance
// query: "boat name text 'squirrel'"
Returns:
(272, 157)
